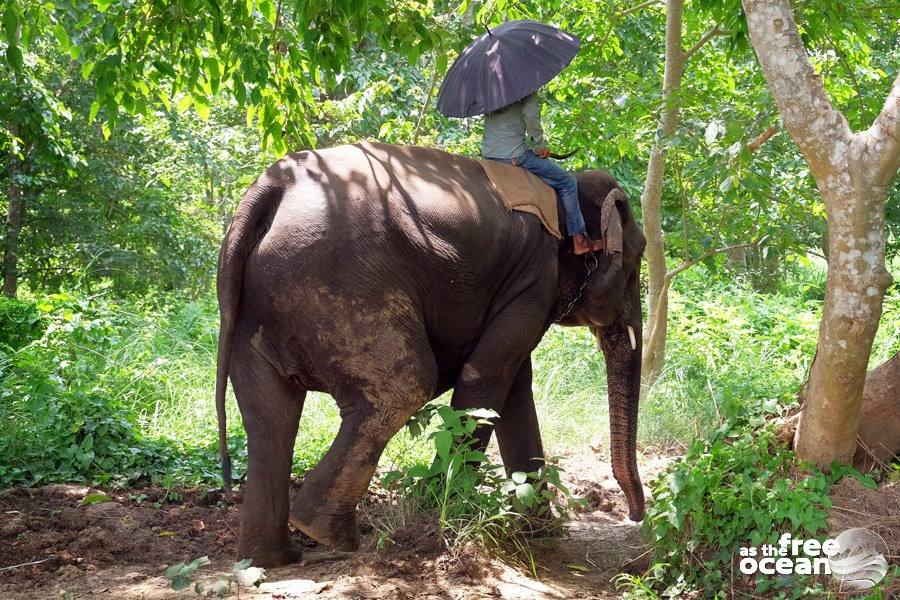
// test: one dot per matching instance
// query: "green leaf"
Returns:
(62, 36)
(103, 5)
(164, 68)
(442, 442)
(11, 23)
(519, 477)
(202, 109)
(14, 57)
(86, 70)
(525, 494)
(419, 472)
(727, 184)
(96, 499)
(184, 102)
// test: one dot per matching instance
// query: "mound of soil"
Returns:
(50, 542)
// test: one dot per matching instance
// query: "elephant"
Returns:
(385, 275)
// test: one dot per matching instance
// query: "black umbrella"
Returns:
(503, 66)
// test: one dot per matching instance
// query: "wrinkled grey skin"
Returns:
(384, 276)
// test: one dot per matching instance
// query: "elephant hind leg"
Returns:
(270, 405)
(377, 393)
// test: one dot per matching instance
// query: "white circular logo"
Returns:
(859, 564)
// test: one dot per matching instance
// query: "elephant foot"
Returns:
(269, 557)
(337, 530)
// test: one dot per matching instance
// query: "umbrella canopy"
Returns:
(503, 66)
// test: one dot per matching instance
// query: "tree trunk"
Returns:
(13, 227)
(853, 171)
(651, 200)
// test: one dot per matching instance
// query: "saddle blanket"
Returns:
(524, 191)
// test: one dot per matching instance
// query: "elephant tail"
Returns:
(250, 222)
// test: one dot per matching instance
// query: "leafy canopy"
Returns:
(271, 56)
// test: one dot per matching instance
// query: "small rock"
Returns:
(68, 572)
(65, 490)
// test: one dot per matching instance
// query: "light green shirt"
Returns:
(511, 130)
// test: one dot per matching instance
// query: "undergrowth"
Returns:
(738, 488)
(472, 499)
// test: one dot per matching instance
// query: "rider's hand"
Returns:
(542, 153)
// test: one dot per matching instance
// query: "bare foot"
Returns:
(580, 243)
(583, 244)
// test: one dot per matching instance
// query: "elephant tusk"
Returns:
(631, 337)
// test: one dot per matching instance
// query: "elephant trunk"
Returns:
(623, 373)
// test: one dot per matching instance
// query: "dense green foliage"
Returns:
(707, 505)
(88, 397)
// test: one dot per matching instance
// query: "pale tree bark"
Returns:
(853, 172)
(654, 342)
(13, 227)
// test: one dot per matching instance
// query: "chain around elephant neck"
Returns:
(590, 264)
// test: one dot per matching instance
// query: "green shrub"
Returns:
(20, 323)
(740, 487)
(81, 402)
(472, 499)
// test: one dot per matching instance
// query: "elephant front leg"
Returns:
(498, 373)
(518, 433)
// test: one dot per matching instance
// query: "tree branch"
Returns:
(806, 111)
(27, 564)
(757, 142)
(426, 104)
(638, 7)
(687, 264)
(713, 31)
(882, 139)
(655, 327)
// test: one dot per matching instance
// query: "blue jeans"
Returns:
(560, 180)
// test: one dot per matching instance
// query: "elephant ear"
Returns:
(611, 225)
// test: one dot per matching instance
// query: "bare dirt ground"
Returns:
(120, 548)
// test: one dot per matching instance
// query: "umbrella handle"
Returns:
(564, 156)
